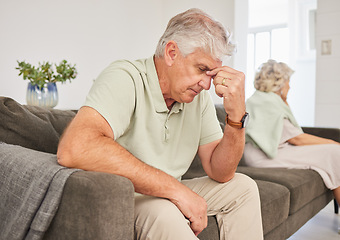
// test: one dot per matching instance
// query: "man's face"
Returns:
(188, 76)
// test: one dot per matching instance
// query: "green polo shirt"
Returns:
(128, 95)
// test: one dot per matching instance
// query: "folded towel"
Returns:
(267, 111)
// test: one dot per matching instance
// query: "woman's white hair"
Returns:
(194, 29)
(271, 76)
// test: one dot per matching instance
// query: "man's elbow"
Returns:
(228, 178)
(225, 178)
(64, 157)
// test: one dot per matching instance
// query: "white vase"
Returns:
(47, 96)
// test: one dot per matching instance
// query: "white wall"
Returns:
(302, 59)
(241, 36)
(89, 33)
(92, 34)
(328, 65)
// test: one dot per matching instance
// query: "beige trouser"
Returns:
(235, 204)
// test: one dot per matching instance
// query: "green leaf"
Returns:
(44, 73)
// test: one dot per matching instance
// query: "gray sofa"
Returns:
(100, 206)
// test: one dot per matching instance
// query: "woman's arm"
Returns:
(308, 139)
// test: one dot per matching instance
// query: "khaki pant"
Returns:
(235, 204)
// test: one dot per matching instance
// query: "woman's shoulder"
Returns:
(265, 99)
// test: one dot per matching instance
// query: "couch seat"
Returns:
(304, 185)
(274, 204)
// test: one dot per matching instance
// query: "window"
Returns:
(284, 30)
(271, 42)
(268, 36)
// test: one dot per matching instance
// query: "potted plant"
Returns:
(42, 88)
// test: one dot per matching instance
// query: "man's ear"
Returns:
(171, 52)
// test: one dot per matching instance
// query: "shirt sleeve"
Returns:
(113, 96)
(289, 131)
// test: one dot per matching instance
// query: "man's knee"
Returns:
(160, 219)
(157, 210)
(247, 185)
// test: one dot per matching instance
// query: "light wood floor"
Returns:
(324, 226)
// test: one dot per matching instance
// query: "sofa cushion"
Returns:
(274, 208)
(275, 199)
(325, 132)
(94, 205)
(31, 126)
(220, 113)
(211, 232)
(304, 185)
(195, 170)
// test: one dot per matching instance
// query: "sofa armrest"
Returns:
(330, 133)
(94, 205)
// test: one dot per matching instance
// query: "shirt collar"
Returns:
(156, 91)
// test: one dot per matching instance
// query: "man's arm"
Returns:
(88, 144)
(220, 158)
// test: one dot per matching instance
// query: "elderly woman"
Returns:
(273, 136)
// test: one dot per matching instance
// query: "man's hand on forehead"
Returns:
(229, 84)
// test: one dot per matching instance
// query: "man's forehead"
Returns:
(209, 65)
(205, 60)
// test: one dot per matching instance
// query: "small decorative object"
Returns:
(47, 96)
(42, 88)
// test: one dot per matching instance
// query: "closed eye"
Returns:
(203, 69)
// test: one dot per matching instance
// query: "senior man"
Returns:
(147, 119)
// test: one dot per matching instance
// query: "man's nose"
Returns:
(205, 82)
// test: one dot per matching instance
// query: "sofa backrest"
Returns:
(31, 126)
(220, 113)
(40, 128)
